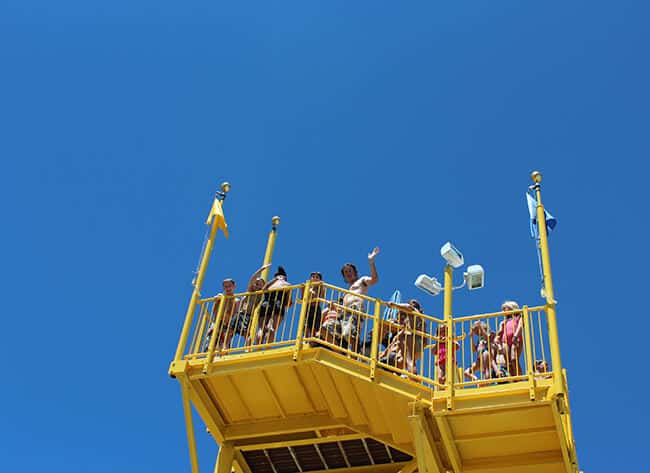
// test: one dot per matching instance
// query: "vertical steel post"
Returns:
(374, 348)
(548, 288)
(203, 266)
(450, 369)
(189, 425)
(216, 331)
(301, 319)
(268, 256)
(525, 318)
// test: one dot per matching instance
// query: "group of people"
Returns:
(274, 299)
(337, 322)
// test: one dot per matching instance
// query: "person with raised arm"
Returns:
(353, 304)
(239, 322)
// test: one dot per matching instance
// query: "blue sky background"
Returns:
(398, 124)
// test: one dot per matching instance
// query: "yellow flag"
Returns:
(217, 212)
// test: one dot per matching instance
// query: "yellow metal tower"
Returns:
(363, 386)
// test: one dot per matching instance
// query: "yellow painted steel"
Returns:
(268, 257)
(203, 266)
(301, 320)
(451, 353)
(529, 354)
(548, 287)
(302, 391)
(189, 426)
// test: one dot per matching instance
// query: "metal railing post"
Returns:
(374, 347)
(301, 320)
(529, 353)
(216, 331)
(268, 256)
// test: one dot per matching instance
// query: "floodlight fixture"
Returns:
(452, 255)
(428, 284)
(475, 277)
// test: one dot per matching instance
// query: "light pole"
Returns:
(474, 278)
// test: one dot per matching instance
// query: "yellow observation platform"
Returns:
(372, 396)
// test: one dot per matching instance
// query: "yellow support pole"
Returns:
(301, 320)
(374, 348)
(205, 259)
(450, 369)
(225, 458)
(268, 256)
(548, 288)
(216, 331)
(529, 353)
(189, 425)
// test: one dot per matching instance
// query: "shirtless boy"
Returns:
(357, 285)
(231, 304)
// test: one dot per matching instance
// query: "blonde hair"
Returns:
(509, 305)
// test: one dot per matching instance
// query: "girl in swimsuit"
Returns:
(440, 351)
(509, 336)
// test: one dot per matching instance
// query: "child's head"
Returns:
(509, 305)
(541, 366)
(349, 273)
(415, 304)
(258, 285)
(228, 286)
(442, 330)
(479, 328)
(316, 276)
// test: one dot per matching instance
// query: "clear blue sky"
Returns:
(398, 124)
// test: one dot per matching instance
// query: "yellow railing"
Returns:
(488, 349)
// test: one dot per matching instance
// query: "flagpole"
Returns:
(205, 259)
(554, 341)
(268, 256)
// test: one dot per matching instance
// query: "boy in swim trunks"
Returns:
(231, 304)
(357, 285)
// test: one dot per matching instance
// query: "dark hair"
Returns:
(280, 272)
(349, 265)
(416, 304)
(320, 276)
(229, 280)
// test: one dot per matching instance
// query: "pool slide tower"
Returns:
(378, 398)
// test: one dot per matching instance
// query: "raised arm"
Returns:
(256, 274)
(373, 270)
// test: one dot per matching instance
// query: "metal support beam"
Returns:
(426, 450)
(409, 467)
(225, 458)
(281, 426)
(189, 426)
(449, 443)
(567, 455)
(239, 463)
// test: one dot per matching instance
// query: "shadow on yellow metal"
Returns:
(282, 415)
